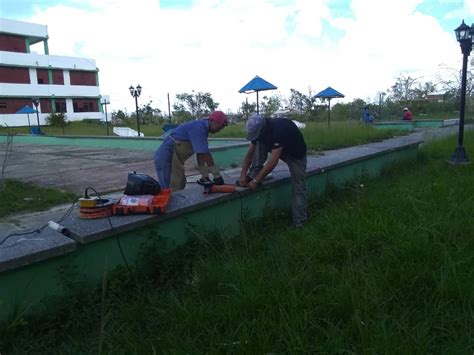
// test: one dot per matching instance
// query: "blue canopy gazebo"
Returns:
(329, 93)
(27, 109)
(255, 85)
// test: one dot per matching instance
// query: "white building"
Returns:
(60, 84)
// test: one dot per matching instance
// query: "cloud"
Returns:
(218, 46)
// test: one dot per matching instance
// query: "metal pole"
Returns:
(257, 104)
(380, 106)
(329, 112)
(36, 103)
(169, 108)
(136, 106)
(459, 156)
(106, 121)
(38, 120)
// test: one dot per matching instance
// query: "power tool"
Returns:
(211, 187)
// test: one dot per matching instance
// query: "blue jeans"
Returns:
(163, 158)
(297, 168)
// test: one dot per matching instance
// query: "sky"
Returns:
(358, 47)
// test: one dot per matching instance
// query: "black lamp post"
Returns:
(104, 104)
(464, 35)
(36, 103)
(135, 93)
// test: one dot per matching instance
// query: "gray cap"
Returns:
(254, 125)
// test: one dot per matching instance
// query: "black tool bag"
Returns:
(141, 184)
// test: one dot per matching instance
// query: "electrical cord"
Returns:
(111, 228)
(40, 229)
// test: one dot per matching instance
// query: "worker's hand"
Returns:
(219, 180)
(252, 185)
(243, 181)
(204, 181)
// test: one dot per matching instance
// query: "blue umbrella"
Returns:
(329, 93)
(27, 109)
(255, 85)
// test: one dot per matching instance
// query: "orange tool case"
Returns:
(142, 204)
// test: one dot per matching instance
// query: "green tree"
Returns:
(119, 117)
(247, 109)
(57, 119)
(196, 104)
(270, 105)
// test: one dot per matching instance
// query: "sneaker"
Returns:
(298, 225)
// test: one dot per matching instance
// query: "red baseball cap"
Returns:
(219, 117)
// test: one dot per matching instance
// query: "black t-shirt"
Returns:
(283, 133)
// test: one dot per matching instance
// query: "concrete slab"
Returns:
(20, 250)
(73, 169)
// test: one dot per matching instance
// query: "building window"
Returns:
(14, 75)
(60, 106)
(87, 78)
(85, 105)
(42, 76)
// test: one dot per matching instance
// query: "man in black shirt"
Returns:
(282, 138)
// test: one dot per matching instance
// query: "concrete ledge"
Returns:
(28, 249)
(451, 122)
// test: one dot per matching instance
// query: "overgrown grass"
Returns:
(383, 266)
(318, 136)
(17, 196)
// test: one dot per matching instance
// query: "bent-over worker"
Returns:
(185, 140)
(283, 139)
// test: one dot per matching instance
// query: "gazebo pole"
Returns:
(329, 112)
(257, 103)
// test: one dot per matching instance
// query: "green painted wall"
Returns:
(428, 123)
(395, 125)
(32, 288)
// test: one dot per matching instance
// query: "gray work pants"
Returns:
(298, 180)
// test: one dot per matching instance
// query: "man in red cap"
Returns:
(407, 115)
(184, 141)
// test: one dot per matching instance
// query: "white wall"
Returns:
(46, 61)
(16, 120)
(23, 28)
(33, 90)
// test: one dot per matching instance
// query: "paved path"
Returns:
(73, 169)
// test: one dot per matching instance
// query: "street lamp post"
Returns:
(464, 35)
(104, 104)
(36, 103)
(136, 93)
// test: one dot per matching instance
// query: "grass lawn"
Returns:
(22, 197)
(317, 135)
(383, 266)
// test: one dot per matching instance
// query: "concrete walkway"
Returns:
(73, 169)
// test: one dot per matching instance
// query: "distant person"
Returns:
(283, 139)
(368, 117)
(185, 140)
(407, 115)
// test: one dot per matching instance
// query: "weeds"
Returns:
(386, 267)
